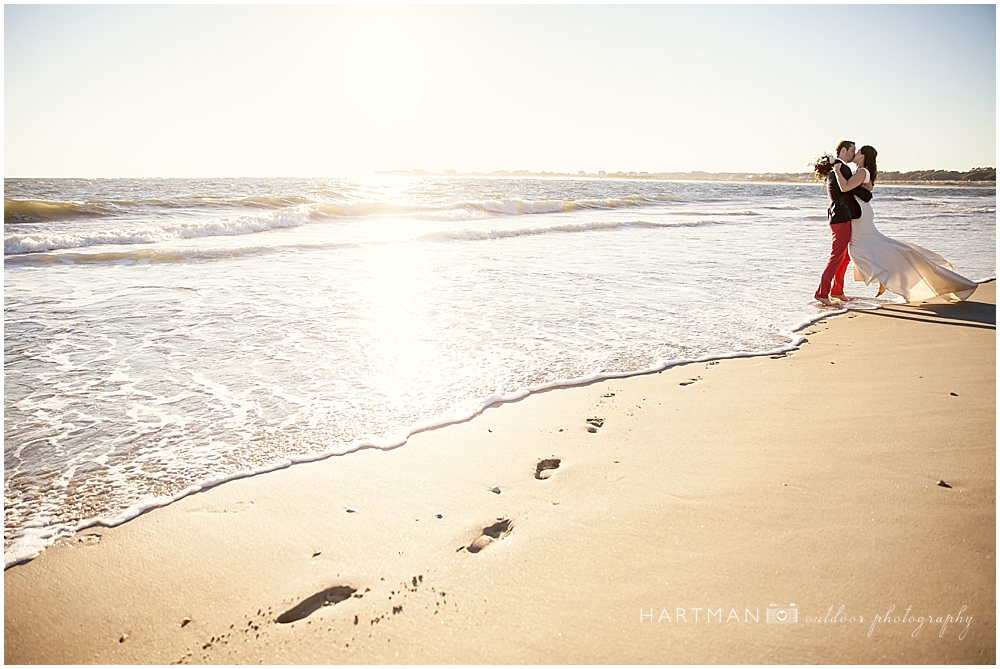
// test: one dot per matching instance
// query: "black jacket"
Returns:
(843, 206)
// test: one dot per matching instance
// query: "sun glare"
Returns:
(396, 286)
(385, 71)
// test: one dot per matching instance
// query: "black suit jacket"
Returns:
(843, 206)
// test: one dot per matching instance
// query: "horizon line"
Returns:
(499, 172)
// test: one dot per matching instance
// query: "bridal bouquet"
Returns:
(822, 166)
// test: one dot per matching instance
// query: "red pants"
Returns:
(836, 266)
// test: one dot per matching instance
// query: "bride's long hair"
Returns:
(870, 154)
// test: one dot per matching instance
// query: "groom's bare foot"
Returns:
(842, 298)
(825, 301)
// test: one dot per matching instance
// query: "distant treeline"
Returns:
(975, 174)
(978, 175)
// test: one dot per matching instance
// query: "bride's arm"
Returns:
(869, 184)
(848, 184)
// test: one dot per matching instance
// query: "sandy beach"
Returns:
(760, 510)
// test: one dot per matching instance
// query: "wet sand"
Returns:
(704, 499)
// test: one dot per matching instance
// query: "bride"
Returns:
(900, 267)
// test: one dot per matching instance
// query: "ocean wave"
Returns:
(136, 256)
(35, 211)
(35, 242)
(519, 207)
(954, 205)
(720, 213)
(160, 255)
(38, 211)
(481, 235)
(363, 208)
(271, 201)
(486, 208)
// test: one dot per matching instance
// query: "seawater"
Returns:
(161, 336)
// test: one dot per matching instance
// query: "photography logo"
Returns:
(782, 614)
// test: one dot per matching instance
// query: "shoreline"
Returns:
(404, 435)
(675, 501)
(436, 423)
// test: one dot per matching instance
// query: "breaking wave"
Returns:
(34, 211)
(479, 235)
(33, 242)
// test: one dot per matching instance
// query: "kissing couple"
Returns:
(903, 268)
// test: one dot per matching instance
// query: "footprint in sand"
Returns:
(544, 468)
(307, 606)
(690, 381)
(494, 532)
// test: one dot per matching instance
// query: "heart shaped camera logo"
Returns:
(782, 614)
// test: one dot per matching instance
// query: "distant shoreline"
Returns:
(885, 178)
(979, 177)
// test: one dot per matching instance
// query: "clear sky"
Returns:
(187, 90)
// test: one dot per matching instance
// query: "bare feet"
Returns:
(881, 289)
(825, 300)
(842, 298)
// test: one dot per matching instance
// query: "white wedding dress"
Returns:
(903, 268)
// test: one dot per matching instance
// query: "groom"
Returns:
(843, 208)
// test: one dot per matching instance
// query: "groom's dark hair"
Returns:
(843, 145)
